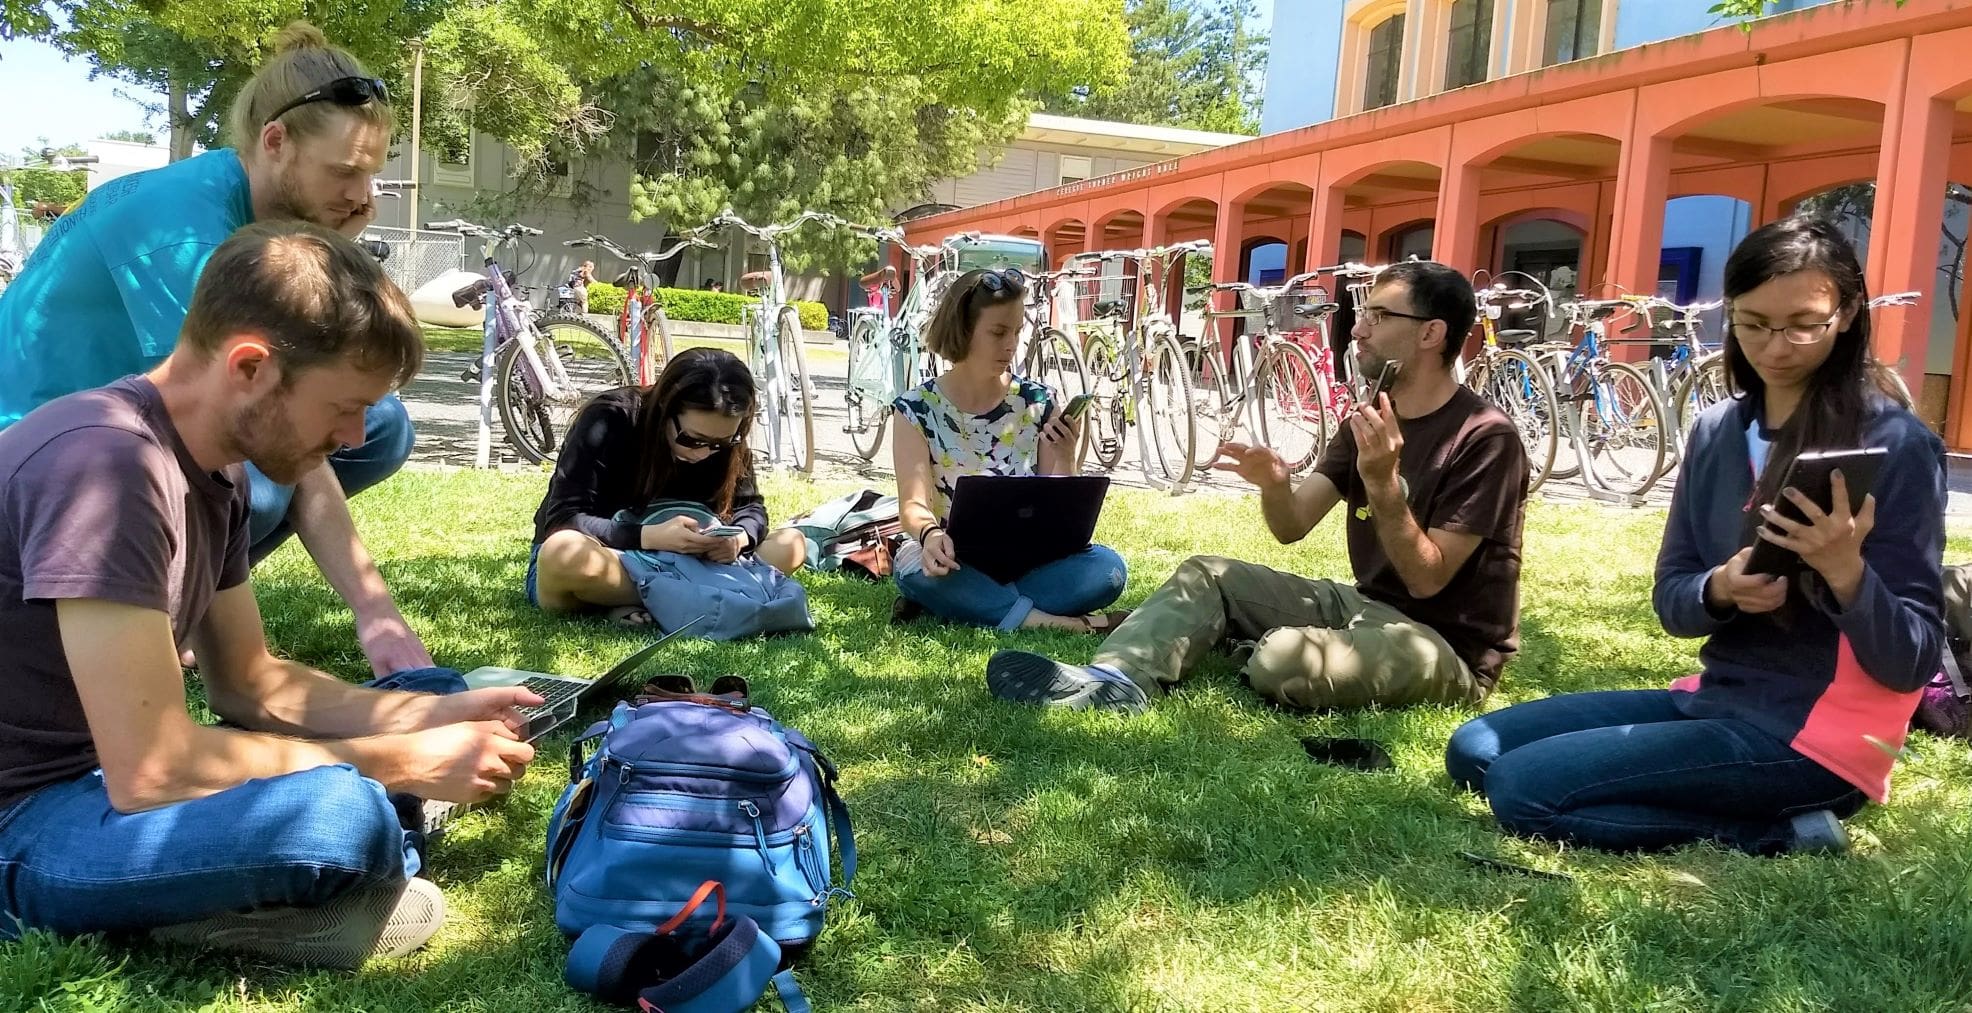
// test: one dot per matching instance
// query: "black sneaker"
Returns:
(1025, 677)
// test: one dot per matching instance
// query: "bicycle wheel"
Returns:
(1054, 361)
(1568, 397)
(1293, 416)
(1700, 389)
(1624, 421)
(1168, 411)
(581, 361)
(797, 409)
(1215, 396)
(1516, 385)
(869, 377)
(1106, 417)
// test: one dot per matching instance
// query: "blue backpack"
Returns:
(690, 788)
(739, 599)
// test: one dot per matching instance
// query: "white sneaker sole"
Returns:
(373, 922)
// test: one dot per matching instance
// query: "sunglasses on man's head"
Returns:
(690, 441)
(343, 91)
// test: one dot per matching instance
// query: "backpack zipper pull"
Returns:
(759, 833)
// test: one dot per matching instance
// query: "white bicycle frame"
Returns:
(765, 328)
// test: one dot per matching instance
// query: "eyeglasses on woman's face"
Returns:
(1753, 333)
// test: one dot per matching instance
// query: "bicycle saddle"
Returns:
(473, 295)
(1308, 310)
(1515, 336)
(1108, 308)
(753, 282)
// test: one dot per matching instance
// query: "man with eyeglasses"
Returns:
(1433, 480)
(105, 293)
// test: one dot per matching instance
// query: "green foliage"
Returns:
(605, 298)
(32, 186)
(1193, 63)
(873, 143)
(133, 136)
(41, 185)
(725, 307)
(24, 19)
(1747, 9)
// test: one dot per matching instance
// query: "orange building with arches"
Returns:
(1769, 114)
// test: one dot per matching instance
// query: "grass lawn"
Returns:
(458, 339)
(1190, 859)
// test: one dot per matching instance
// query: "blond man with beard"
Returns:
(106, 291)
(123, 533)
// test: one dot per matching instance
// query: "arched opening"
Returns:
(1263, 261)
(1547, 247)
(1066, 238)
(1853, 208)
(1273, 222)
(1407, 241)
(1122, 231)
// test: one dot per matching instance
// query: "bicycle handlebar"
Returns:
(688, 238)
(466, 228)
(1896, 299)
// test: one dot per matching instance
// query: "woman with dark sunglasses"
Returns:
(681, 438)
(978, 418)
(1809, 676)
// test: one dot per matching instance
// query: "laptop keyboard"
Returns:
(553, 692)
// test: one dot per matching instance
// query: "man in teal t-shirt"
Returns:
(104, 294)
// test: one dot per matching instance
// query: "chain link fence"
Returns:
(416, 255)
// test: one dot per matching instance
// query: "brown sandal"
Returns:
(1105, 622)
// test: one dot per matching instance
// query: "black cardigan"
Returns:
(596, 476)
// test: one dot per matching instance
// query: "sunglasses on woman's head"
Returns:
(1002, 282)
(690, 441)
(343, 91)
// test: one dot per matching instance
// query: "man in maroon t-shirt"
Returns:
(1435, 483)
(123, 539)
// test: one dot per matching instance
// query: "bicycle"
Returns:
(642, 311)
(1511, 380)
(545, 368)
(887, 354)
(1610, 410)
(786, 413)
(1273, 387)
(1053, 359)
(1146, 373)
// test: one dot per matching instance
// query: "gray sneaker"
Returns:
(379, 921)
(1817, 831)
(1025, 677)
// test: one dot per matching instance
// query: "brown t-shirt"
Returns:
(1466, 471)
(98, 499)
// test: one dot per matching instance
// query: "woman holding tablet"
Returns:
(1809, 675)
(978, 418)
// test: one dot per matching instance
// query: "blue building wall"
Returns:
(1302, 59)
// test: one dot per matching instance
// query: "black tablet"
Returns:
(1813, 473)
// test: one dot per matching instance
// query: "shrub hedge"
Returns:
(701, 306)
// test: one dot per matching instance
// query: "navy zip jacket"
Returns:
(1824, 680)
(596, 476)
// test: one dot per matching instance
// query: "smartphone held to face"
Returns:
(1381, 385)
(1813, 474)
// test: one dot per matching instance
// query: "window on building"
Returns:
(1386, 59)
(453, 163)
(1574, 30)
(1076, 168)
(1470, 47)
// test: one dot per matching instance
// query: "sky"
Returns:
(54, 98)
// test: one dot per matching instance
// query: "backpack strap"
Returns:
(845, 834)
(662, 973)
(1953, 672)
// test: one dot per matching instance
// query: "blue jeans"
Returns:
(387, 440)
(71, 863)
(1626, 770)
(1071, 586)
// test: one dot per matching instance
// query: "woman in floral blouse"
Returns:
(978, 418)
